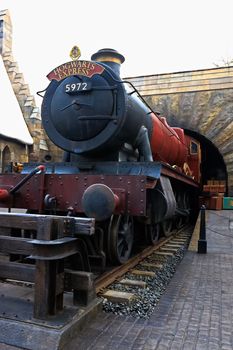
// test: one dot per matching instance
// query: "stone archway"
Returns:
(209, 117)
(6, 158)
(199, 101)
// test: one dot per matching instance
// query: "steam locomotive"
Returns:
(123, 164)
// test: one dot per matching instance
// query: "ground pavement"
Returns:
(195, 312)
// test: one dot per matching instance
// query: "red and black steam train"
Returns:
(123, 164)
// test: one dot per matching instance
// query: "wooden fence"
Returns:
(33, 248)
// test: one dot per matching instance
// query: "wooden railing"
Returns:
(37, 246)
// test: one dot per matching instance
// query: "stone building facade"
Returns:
(41, 145)
(12, 151)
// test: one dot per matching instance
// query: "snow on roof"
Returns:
(12, 123)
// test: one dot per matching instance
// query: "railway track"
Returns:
(135, 287)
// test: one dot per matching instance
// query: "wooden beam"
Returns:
(17, 271)
(15, 245)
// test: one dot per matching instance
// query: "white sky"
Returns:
(155, 36)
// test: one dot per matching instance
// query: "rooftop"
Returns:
(13, 124)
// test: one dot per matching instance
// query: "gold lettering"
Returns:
(90, 65)
(86, 68)
(57, 71)
(73, 64)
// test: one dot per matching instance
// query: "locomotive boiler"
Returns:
(123, 164)
(96, 115)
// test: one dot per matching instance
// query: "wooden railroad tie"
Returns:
(168, 249)
(133, 283)
(164, 253)
(180, 240)
(143, 273)
(119, 297)
(153, 265)
(174, 245)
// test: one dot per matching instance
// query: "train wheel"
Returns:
(120, 238)
(152, 233)
(183, 204)
(167, 227)
(187, 207)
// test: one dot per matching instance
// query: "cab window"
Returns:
(193, 148)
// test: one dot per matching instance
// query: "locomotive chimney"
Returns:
(110, 57)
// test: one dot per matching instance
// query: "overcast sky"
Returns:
(155, 36)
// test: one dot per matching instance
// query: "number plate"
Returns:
(73, 88)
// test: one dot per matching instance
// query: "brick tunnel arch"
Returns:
(213, 166)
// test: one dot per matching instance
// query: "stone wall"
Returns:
(12, 151)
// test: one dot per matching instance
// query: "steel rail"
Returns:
(109, 277)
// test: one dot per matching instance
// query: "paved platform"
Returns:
(195, 312)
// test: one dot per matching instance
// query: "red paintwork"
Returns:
(130, 191)
(4, 194)
(167, 143)
(41, 168)
(68, 189)
(86, 68)
(193, 159)
(178, 175)
(117, 201)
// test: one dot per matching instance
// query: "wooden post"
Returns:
(48, 295)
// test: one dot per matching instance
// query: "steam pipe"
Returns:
(143, 144)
